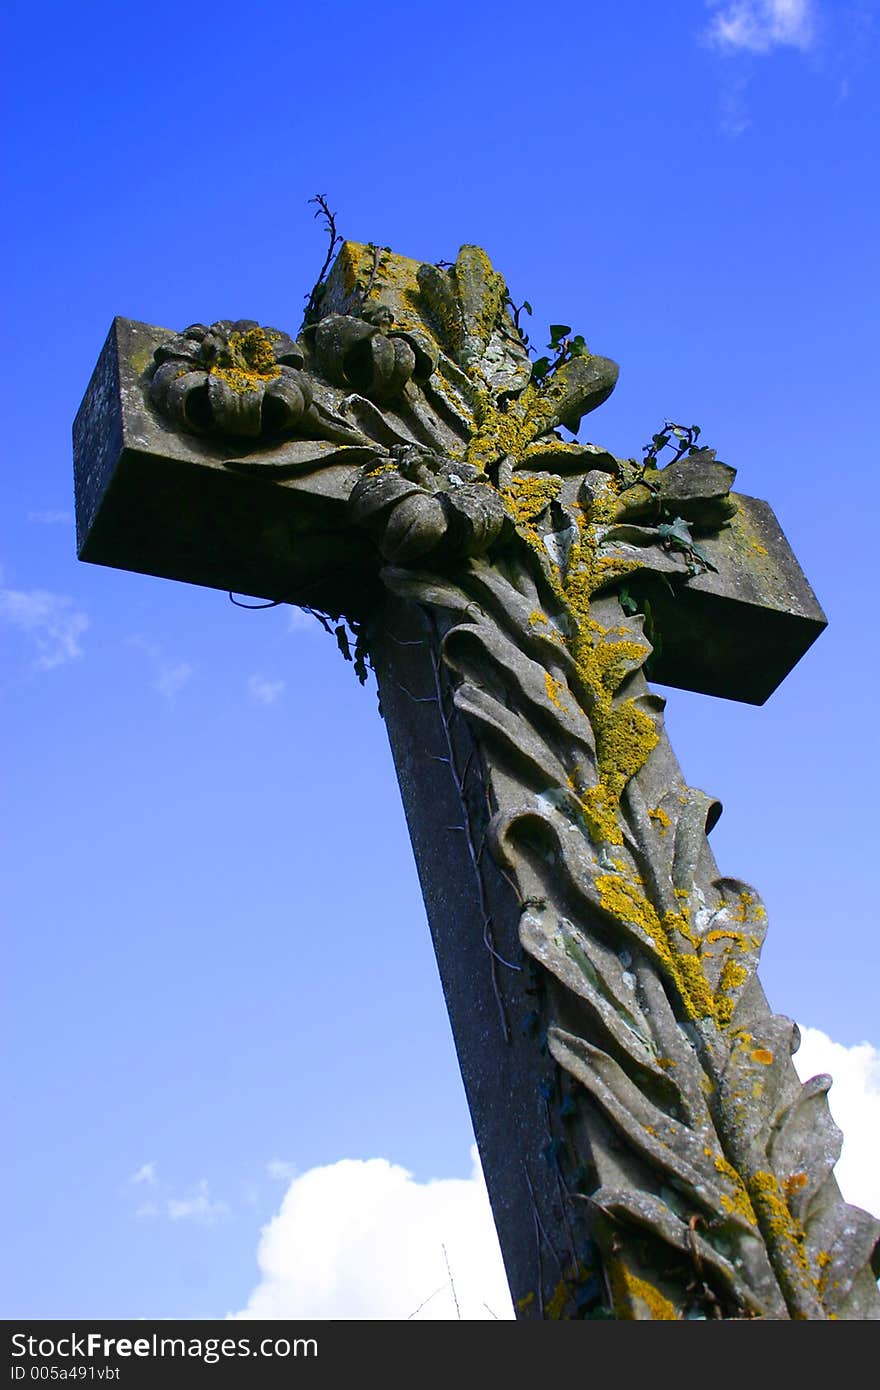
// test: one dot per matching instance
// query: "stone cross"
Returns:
(400, 470)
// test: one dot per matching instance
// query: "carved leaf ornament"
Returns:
(706, 1164)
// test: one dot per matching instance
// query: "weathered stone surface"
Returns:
(649, 1150)
(155, 500)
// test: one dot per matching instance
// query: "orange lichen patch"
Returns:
(762, 1055)
(794, 1183)
(523, 1303)
(665, 1063)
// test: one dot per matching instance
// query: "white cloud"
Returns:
(145, 1174)
(759, 26)
(196, 1206)
(362, 1239)
(854, 1102)
(52, 623)
(264, 692)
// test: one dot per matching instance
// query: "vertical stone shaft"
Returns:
(472, 911)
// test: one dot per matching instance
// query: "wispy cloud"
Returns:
(298, 620)
(197, 1206)
(264, 692)
(145, 1174)
(52, 624)
(280, 1170)
(759, 26)
(53, 517)
(169, 676)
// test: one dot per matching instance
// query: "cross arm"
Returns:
(275, 524)
(155, 500)
(735, 622)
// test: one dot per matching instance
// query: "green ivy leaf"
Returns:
(676, 532)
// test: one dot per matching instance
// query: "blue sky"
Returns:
(220, 978)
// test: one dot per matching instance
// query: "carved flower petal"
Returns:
(477, 515)
(376, 493)
(284, 347)
(335, 337)
(286, 400)
(416, 527)
(162, 381)
(179, 348)
(404, 363)
(370, 367)
(235, 412)
(425, 351)
(178, 394)
(579, 386)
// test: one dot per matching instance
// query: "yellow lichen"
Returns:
(633, 1297)
(554, 690)
(739, 1201)
(506, 429)
(772, 1209)
(748, 909)
(659, 815)
(561, 1297)
(249, 362)
(526, 498)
